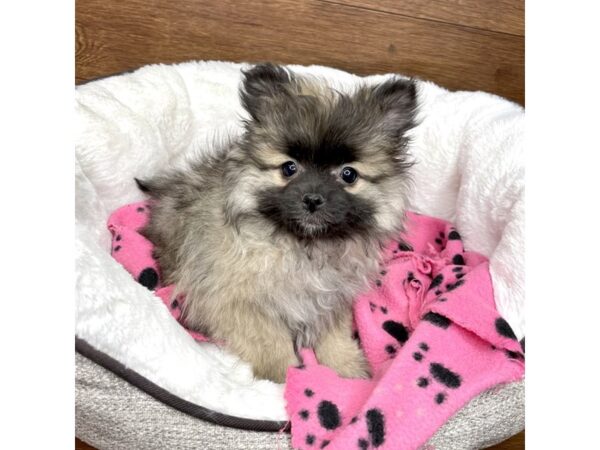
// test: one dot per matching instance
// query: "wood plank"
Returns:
(517, 442)
(113, 36)
(506, 16)
(80, 445)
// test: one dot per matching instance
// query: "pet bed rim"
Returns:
(162, 395)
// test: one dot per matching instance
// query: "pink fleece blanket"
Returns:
(429, 329)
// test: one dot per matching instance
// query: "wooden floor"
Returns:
(460, 44)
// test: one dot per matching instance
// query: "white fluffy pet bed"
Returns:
(469, 153)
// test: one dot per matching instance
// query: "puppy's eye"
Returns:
(289, 168)
(349, 175)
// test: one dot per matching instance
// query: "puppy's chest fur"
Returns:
(309, 288)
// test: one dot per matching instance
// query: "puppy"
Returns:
(273, 237)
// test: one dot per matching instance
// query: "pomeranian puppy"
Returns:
(273, 237)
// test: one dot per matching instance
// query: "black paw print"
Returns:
(438, 373)
(440, 239)
(398, 331)
(375, 429)
(505, 330)
(329, 418)
(437, 282)
(148, 278)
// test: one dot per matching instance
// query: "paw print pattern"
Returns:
(117, 246)
(454, 236)
(452, 280)
(378, 283)
(414, 280)
(458, 259)
(399, 332)
(328, 416)
(514, 355)
(455, 247)
(130, 248)
(437, 319)
(505, 330)
(148, 278)
(391, 350)
(437, 373)
(375, 427)
(375, 422)
(437, 281)
(452, 286)
(440, 239)
(404, 247)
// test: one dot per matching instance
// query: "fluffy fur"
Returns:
(270, 262)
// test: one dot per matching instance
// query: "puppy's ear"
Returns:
(397, 99)
(261, 85)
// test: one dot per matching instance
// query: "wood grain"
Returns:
(116, 36)
(505, 16)
(516, 442)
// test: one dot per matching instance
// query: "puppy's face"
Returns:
(321, 164)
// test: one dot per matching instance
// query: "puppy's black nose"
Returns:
(313, 201)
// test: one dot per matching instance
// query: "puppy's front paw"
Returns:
(273, 371)
(353, 366)
(344, 356)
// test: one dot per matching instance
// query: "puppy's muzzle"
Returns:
(313, 201)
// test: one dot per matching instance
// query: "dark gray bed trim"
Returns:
(164, 396)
